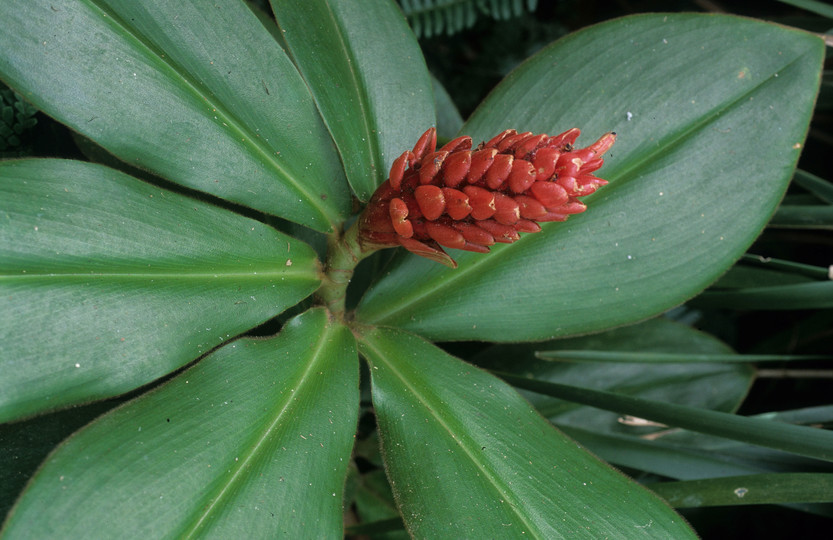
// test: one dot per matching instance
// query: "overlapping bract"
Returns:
(469, 199)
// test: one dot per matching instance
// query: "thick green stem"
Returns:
(343, 254)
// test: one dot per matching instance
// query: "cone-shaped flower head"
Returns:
(465, 198)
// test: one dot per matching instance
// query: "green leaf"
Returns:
(820, 8)
(376, 508)
(757, 271)
(468, 457)
(687, 455)
(616, 357)
(752, 489)
(656, 455)
(744, 276)
(200, 95)
(817, 186)
(816, 295)
(691, 183)
(368, 77)
(252, 442)
(821, 414)
(699, 384)
(383, 529)
(804, 441)
(107, 283)
(26, 444)
(803, 217)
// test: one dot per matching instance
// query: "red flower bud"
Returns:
(465, 198)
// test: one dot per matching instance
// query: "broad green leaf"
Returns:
(365, 69)
(752, 489)
(804, 441)
(691, 185)
(699, 384)
(469, 458)
(26, 444)
(251, 442)
(107, 283)
(199, 94)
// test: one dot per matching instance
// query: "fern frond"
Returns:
(434, 17)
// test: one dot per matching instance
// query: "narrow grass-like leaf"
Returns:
(669, 358)
(468, 457)
(817, 186)
(803, 217)
(807, 415)
(366, 71)
(687, 455)
(659, 457)
(107, 283)
(199, 94)
(815, 272)
(814, 6)
(252, 442)
(778, 488)
(707, 385)
(744, 276)
(810, 442)
(816, 295)
(688, 95)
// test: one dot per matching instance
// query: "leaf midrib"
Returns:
(362, 102)
(504, 491)
(290, 402)
(227, 119)
(623, 174)
(157, 275)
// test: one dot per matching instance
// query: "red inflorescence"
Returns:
(465, 198)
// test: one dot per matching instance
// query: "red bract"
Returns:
(469, 199)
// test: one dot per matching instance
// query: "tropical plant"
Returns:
(148, 289)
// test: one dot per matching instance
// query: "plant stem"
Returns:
(343, 254)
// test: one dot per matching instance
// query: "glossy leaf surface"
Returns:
(369, 79)
(200, 95)
(504, 470)
(691, 184)
(107, 283)
(251, 442)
